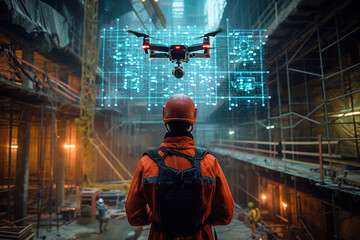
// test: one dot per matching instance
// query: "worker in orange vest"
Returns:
(179, 189)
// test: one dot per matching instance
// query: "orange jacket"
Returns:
(141, 205)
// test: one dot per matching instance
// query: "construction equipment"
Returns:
(90, 143)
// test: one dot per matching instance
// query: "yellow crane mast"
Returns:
(90, 143)
(88, 75)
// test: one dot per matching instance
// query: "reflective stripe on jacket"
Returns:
(141, 205)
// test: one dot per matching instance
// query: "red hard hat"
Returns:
(179, 107)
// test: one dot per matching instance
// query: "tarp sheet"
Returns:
(37, 17)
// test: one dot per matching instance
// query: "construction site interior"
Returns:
(278, 106)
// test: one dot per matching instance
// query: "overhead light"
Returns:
(284, 204)
(231, 132)
(156, 0)
(348, 114)
(270, 127)
(351, 114)
(69, 146)
(143, 0)
(263, 197)
(14, 146)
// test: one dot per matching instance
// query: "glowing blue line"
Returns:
(228, 56)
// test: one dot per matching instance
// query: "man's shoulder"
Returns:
(209, 157)
(146, 159)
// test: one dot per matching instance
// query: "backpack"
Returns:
(179, 194)
(101, 209)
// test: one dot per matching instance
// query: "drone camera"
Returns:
(178, 72)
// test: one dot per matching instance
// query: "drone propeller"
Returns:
(138, 34)
(212, 34)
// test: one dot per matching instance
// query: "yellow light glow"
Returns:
(284, 204)
(352, 113)
(263, 197)
(143, 0)
(69, 146)
(348, 114)
(14, 146)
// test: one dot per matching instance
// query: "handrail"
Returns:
(250, 142)
(232, 142)
(314, 154)
(65, 89)
(309, 142)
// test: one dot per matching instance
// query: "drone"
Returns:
(177, 53)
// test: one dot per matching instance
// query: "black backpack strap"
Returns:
(165, 150)
(199, 154)
(195, 161)
(153, 154)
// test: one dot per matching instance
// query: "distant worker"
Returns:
(101, 214)
(179, 189)
(254, 216)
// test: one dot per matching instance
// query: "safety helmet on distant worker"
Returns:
(101, 200)
(250, 204)
(179, 107)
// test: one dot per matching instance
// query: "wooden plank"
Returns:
(15, 232)
(32, 235)
(309, 143)
(311, 154)
(300, 162)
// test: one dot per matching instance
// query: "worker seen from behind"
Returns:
(179, 189)
(254, 216)
(102, 215)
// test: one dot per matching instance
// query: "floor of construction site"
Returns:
(119, 228)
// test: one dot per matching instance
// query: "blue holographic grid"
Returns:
(234, 73)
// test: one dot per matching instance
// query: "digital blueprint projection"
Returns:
(234, 73)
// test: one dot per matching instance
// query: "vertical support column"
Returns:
(268, 117)
(320, 159)
(334, 216)
(9, 165)
(289, 101)
(28, 55)
(60, 164)
(247, 184)
(306, 89)
(296, 203)
(340, 60)
(256, 127)
(279, 101)
(22, 168)
(323, 87)
(287, 234)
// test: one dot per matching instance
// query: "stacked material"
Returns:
(22, 233)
